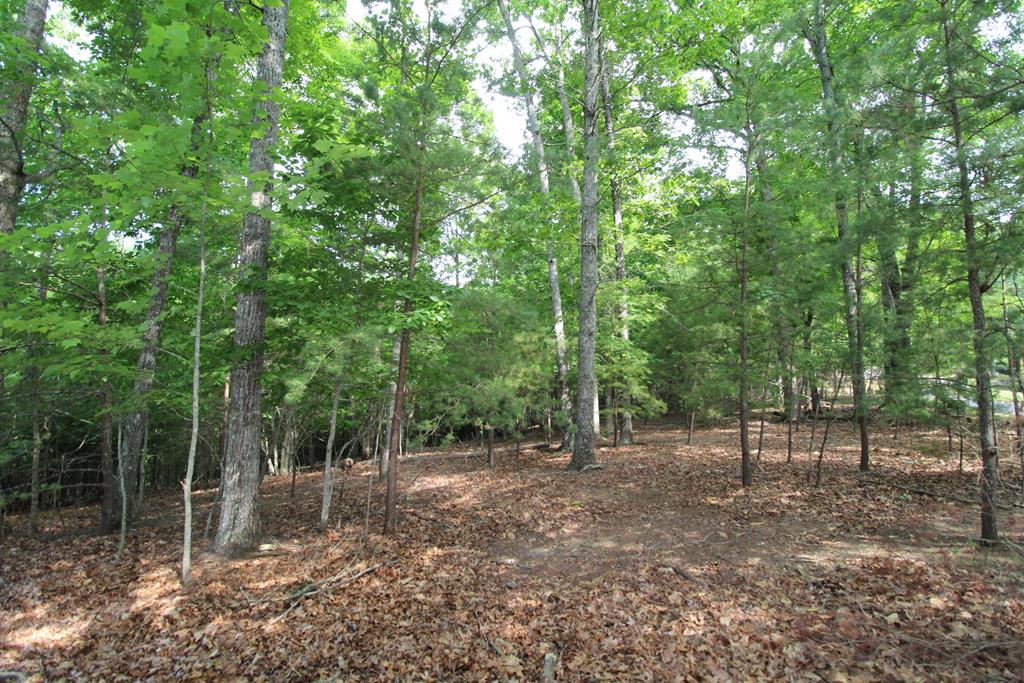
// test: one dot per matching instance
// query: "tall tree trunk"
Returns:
(106, 419)
(567, 125)
(626, 433)
(325, 506)
(975, 289)
(583, 453)
(37, 450)
(15, 94)
(569, 130)
(186, 554)
(533, 126)
(746, 471)
(239, 527)
(564, 400)
(395, 439)
(135, 424)
(817, 37)
(193, 445)
(385, 455)
(14, 114)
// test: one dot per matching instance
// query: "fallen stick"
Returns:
(325, 585)
(1009, 507)
(484, 634)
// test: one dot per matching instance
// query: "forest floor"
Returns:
(658, 567)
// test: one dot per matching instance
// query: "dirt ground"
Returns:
(658, 567)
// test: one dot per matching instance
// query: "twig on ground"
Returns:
(316, 587)
(418, 475)
(483, 633)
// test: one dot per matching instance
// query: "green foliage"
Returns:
(718, 144)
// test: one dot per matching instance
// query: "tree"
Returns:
(533, 126)
(817, 38)
(431, 78)
(239, 527)
(583, 454)
(325, 508)
(749, 155)
(20, 67)
(626, 433)
(953, 33)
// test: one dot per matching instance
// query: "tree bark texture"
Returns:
(395, 440)
(583, 453)
(239, 527)
(385, 456)
(975, 291)
(746, 470)
(325, 507)
(29, 29)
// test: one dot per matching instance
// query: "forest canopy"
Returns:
(239, 239)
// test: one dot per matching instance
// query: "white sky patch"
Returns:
(63, 33)
(996, 28)
(509, 121)
(355, 10)
(509, 116)
(509, 124)
(682, 128)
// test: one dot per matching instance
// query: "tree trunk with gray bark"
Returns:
(15, 96)
(385, 454)
(239, 527)
(395, 439)
(975, 290)
(583, 454)
(325, 506)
